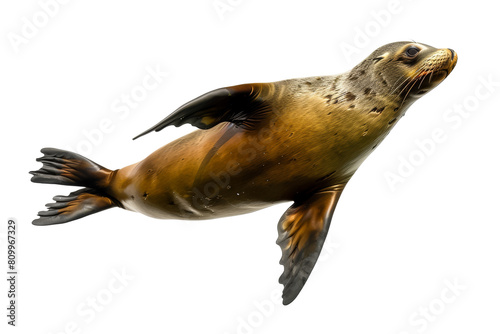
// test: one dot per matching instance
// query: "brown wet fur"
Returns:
(317, 133)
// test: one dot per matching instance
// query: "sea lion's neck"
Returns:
(367, 80)
(369, 92)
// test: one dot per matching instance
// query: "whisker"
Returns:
(411, 78)
(417, 73)
(409, 90)
(411, 81)
(422, 80)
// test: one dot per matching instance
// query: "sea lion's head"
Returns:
(407, 70)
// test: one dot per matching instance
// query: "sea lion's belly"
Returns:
(199, 176)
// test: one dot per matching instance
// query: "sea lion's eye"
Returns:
(412, 51)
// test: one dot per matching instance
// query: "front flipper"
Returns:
(242, 105)
(302, 232)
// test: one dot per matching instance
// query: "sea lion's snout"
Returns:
(441, 60)
(452, 54)
(444, 59)
(453, 59)
(433, 67)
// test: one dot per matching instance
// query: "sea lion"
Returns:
(297, 140)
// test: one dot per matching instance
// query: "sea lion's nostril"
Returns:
(452, 54)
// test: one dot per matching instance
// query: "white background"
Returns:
(390, 251)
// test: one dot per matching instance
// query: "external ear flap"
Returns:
(243, 105)
(302, 232)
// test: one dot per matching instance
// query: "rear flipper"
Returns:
(76, 205)
(72, 169)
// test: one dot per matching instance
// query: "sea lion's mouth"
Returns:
(437, 75)
(434, 72)
(426, 80)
